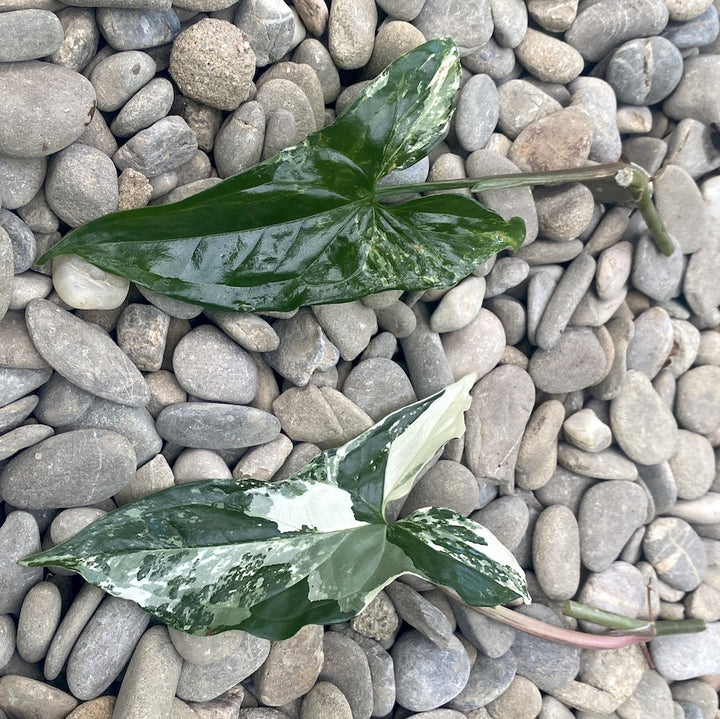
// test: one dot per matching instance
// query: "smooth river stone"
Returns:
(69, 470)
(43, 108)
(216, 425)
(84, 354)
(642, 423)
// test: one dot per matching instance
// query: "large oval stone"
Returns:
(85, 354)
(43, 108)
(72, 469)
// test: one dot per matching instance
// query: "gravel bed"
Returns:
(591, 443)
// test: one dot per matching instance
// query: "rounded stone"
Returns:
(146, 106)
(281, 95)
(477, 347)
(348, 325)
(609, 513)
(27, 697)
(676, 552)
(137, 29)
(325, 701)
(692, 465)
(38, 620)
(641, 422)
(460, 305)
(29, 34)
(477, 112)
(471, 28)
(81, 36)
(71, 469)
(43, 108)
(548, 58)
(427, 676)
(556, 552)
(564, 212)
(507, 518)
(351, 32)
(521, 103)
(651, 343)
(119, 76)
(19, 537)
(697, 402)
(446, 484)
(81, 184)
(378, 386)
(85, 354)
(210, 366)
(586, 431)
(213, 63)
(393, 39)
(689, 98)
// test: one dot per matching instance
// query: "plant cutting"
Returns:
(313, 225)
(269, 558)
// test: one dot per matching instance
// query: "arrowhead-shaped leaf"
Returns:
(305, 226)
(316, 548)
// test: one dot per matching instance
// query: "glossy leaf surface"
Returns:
(315, 548)
(305, 226)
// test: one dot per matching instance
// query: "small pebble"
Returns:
(676, 552)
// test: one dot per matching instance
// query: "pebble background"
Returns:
(591, 444)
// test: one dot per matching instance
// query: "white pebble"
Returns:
(86, 287)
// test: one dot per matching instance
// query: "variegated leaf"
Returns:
(271, 557)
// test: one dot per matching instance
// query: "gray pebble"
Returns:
(194, 464)
(268, 26)
(507, 518)
(148, 686)
(547, 664)
(603, 25)
(135, 423)
(36, 213)
(511, 313)
(346, 666)
(689, 98)
(586, 431)
(97, 134)
(20, 438)
(577, 361)
(421, 614)
(697, 32)
(459, 306)
(291, 668)
(510, 21)
(697, 399)
(609, 513)
(676, 552)
(70, 521)
(655, 274)
(681, 207)
(426, 676)
(700, 288)
(564, 487)
(251, 332)
(69, 469)
(151, 477)
(21, 180)
(492, 60)
(81, 36)
(7, 639)
(606, 464)
(502, 398)
(651, 343)
(597, 98)
(215, 425)
(29, 34)
(692, 465)
(24, 696)
(14, 414)
(507, 272)
(349, 326)
(45, 107)
(239, 142)
(16, 383)
(644, 71)
(38, 620)
(202, 682)
(306, 79)
(521, 103)
(477, 112)
(130, 29)
(493, 639)
(690, 145)
(16, 347)
(489, 678)
(149, 104)
(61, 402)
(325, 701)
(446, 484)
(104, 646)
(402, 9)
(687, 656)
(642, 424)
(19, 537)
(476, 347)
(394, 38)
(397, 318)
(7, 271)
(281, 131)
(202, 119)
(377, 622)
(304, 348)
(142, 334)
(81, 184)
(513, 202)
(118, 77)
(378, 386)
(557, 141)
(210, 366)
(101, 368)
(22, 239)
(470, 29)
(548, 58)
(313, 53)
(537, 457)
(165, 145)
(564, 212)
(556, 552)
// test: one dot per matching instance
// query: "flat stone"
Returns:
(326, 701)
(291, 668)
(686, 656)
(25, 697)
(471, 29)
(38, 620)
(548, 58)
(692, 465)
(19, 537)
(16, 383)
(601, 26)
(148, 105)
(459, 306)
(216, 425)
(119, 76)
(697, 399)
(609, 513)
(605, 464)
(24, 242)
(101, 368)
(676, 552)
(504, 398)
(489, 678)
(14, 414)
(426, 676)
(70, 469)
(597, 98)
(537, 457)
(421, 614)
(201, 683)
(688, 100)
(446, 484)
(104, 646)
(616, 671)
(477, 112)
(22, 437)
(29, 34)
(556, 552)
(491, 638)
(131, 29)
(651, 342)
(45, 108)
(349, 326)
(696, 32)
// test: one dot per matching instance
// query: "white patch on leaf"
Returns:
(320, 507)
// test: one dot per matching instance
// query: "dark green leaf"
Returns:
(271, 557)
(305, 227)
